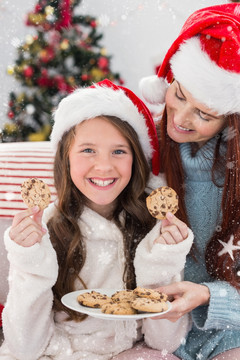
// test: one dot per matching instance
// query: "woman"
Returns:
(200, 155)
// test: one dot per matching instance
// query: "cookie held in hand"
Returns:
(161, 201)
(35, 193)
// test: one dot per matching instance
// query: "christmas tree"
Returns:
(65, 53)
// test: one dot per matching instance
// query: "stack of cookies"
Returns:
(126, 302)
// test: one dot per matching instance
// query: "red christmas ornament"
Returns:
(47, 54)
(66, 15)
(37, 9)
(103, 63)
(93, 24)
(44, 81)
(44, 72)
(60, 83)
(28, 72)
(85, 77)
(10, 114)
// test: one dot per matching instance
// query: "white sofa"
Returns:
(19, 161)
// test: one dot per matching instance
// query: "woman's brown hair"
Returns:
(64, 230)
(220, 267)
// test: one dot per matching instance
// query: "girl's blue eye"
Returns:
(119, 152)
(88, 150)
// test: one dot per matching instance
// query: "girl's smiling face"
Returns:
(187, 119)
(100, 163)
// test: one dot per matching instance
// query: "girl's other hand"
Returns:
(186, 296)
(172, 230)
(27, 227)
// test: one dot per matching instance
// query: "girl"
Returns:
(99, 234)
(199, 133)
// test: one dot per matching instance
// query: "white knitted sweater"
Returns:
(33, 331)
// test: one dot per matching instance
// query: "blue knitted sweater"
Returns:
(203, 203)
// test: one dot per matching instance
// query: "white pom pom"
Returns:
(153, 89)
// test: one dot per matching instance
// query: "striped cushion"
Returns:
(19, 161)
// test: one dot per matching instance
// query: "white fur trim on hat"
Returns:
(153, 89)
(208, 83)
(87, 103)
(155, 182)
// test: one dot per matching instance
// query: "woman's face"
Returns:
(187, 119)
(100, 163)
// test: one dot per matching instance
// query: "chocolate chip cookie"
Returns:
(161, 201)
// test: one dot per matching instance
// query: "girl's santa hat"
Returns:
(106, 98)
(205, 59)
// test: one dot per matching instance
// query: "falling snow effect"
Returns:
(16, 42)
(106, 21)
(218, 228)
(237, 10)
(230, 164)
(229, 133)
(222, 292)
(103, 20)
(105, 258)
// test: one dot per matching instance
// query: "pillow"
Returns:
(19, 161)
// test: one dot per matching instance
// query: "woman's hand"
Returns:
(173, 230)
(27, 227)
(186, 296)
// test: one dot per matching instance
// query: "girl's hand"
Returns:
(173, 230)
(27, 227)
(186, 297)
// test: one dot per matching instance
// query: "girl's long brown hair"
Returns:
(220, 267)
(65, 233)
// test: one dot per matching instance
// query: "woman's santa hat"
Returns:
(205, 59)
(106, 98)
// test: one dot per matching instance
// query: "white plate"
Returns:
(70, 301)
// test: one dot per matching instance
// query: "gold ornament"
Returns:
(20, 98)
(43, 53)
(10, 128)
(92, 61)
(25, 47)
(97, 74)
(36, 19)
(29, 39)
(71, 80)
(49, 10)
(38, 136)
(64, 44)
(29, 82)
(41, 135)
(103, 52)
(19, 69)
(10, 70)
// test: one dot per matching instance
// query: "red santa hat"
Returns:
(106, 98)
(205, 59)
